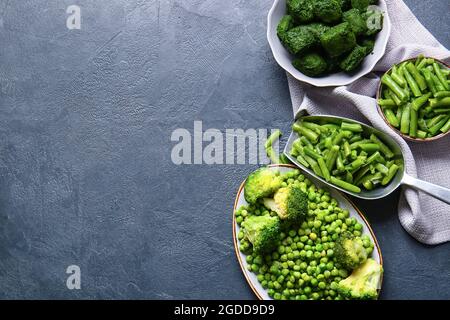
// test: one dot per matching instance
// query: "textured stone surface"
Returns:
(85, 170)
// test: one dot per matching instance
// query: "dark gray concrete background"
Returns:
(85, 170)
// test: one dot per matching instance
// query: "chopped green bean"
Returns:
(387, 81)
(412, 84)
(345, 185)
(391, 173)
(442, 78)
(417, 76)
(413, 123)
(383, 148)
(324, 169)
(391, 118)
(404, 123)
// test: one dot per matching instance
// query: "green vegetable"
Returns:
(391, 118)
(329, 11)
(311, 64)
(318, 29)
(391, 84)
(404, 123)
(262, 232)
(363, 283)
(290, 203)
(369, 44)
(357, 22)
(300, 261)
(274, 158)
(354, 59)
(349, 251)
(341, 154)
(260, 184)
(413, 85)
(286, 23)
(307, 133)
(360, 4)
(328, 36)
(417, 76)
(345, 185)
(301, 10)
(338, 40)
(421, 102)
(299, 39)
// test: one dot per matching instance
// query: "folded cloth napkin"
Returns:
(423, 217)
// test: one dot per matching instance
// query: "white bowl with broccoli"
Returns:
(333, 45)
(263, 227)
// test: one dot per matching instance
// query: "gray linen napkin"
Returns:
(423, 217)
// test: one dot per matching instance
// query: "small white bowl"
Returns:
(343, 201)
(284, 58)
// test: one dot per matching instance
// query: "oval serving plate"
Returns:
(343, 201)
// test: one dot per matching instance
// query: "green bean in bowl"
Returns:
(343, 155)
(414, 98)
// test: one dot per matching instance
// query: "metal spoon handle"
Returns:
(433, 190)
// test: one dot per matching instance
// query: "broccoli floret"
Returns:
(338, 40)
(299, 39)
(290, 203)
(369, 44)
(318, 29)
(345, 5)
(374, 21)
(328, 11)
(363, 282)
(354, 59)
(260, 184)
(284, 25)
(262, 231)
(356, 20)
(360, 4)
(311, 64)
(301, 10)
(350, 251)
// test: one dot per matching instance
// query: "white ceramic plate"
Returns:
(284, 58)
(344, 202)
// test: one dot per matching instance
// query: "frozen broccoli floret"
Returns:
(369, 44)
(345, 5)
(354, 59)
(328, 11)
(350, 251)
(299, 39)
(261, 183)
(301, 10)
(318, 29)
(360, 4)
(290, 203)
(374, 21)
(311, 64)
(338, 40)
(363, 283)
(262, 231)
(356, 21)
(286, 23)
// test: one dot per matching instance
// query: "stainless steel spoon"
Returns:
(400, 178)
